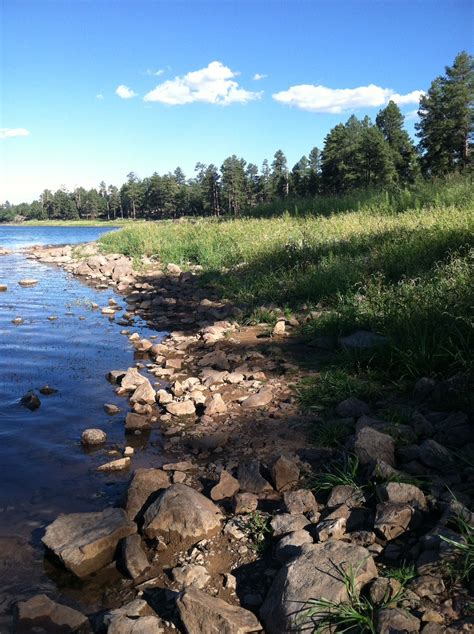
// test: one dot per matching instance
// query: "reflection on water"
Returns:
(45, 471)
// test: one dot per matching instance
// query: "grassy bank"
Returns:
(404, 274)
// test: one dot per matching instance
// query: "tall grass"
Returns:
(405, 274)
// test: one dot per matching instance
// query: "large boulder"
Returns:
(316, 573)
(182, 512)
(144, 486)
(41, 614)
(132, 379)
(144, 394)
(86, 542)
(203, 614)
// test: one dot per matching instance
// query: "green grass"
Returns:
(333, 386)
(347, 471)
(403, 574)
(259, 531)
(399, 264)
(464, 548)
(330, 433)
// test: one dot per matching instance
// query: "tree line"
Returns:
(357, 155)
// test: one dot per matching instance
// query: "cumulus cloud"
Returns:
(124, 92)
(7, 133)
(99, 97)
(154, 73)
(335, 100)
(214, 84)
(259, 76)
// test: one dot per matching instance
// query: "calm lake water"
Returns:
(45, 470)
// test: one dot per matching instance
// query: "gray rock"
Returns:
(134, 422)
(134, 557)
(331, 529)
(345, 494)
(182, 512)
(227, 487)
(362, 340)
(352, 407)
(191, 575)
(392, 519)
(132, 379)
(86, 542)
(145, 484)
(144, 394)
(203, 614)
(115, 465)
(140, 625)
(427, 586)
(314, 574)
(394, 620)
(284, 523)
(383, 589)
(181, 408)
(402, 493)
(262, 398)
(434, 455)
(250, 479)
(41, 614)
(285, 473)
(371, 445)
(245, 503)
(93, 437)
(300, 502)
(290, 545)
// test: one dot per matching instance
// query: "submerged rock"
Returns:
(30, 400)
(86, 542)
(28, 282)
(41, 614)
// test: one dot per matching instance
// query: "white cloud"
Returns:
(124, 92)
(99, 96)
(7, 133)
(154, 73)
(335, 100)
(259, 76)
(213, 84)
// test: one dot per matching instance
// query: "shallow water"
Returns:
(45, 470)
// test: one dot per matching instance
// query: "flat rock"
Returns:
(134, 422)
(250, 478)
(181, 408)
(86, 542)
(284, 523)
(362, 340)
(403, 493)
(434, 455)
(27, 281)
(371, 445)
(345, 494)
(314, 574)
(182, 512)
(143, 489)
(41, 614)
(245, 503)
(290, 545)
(262, 398)
(227, 486)
(141, 625)
(115, 465)
(390, 620)
(93, 437)
(352, 407)
(203, 614)
(191, 575)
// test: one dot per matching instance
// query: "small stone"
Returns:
(250, 479)
(427, 586)
(93, 437)
(191, 575)
(371, 445)
(279, 328)
(28, 282)
(331, 529)
(290, 545)
(392, 519)
(111, 409)
(260, 399)
(184, 465)
(227, 486)
(47, 390)
(345, 494)
(41, 614)
(300, 502)
(134, 557)
(128, 452)
(383, 589)
(3, 288)
(115, 465)
(434, 455)
(181, 408)
(216, 405)
(432, 616)
(284, 523)
(402, 493)
(391, 620)
(285, 473)
(352, 407)
(245, 503)
(30, 400)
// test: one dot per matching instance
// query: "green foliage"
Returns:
(259, 530)
(329, 433)
(332, 386)
(346, 471)
(403, 573)
(464, 548)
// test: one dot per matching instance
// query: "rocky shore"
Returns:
(249, 527)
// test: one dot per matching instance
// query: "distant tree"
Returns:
(314, 175)
(390, 122)
(234, 184)
(114, 200)
(280, 177)
(446, 121)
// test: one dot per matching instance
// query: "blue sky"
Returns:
(92, 90)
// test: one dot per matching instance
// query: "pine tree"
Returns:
(280, 177)
(390, 122)
(446, 121)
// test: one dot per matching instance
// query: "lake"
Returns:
(45, 470)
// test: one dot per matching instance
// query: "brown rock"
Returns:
(181, 408)
(216, 405)
(285, 473)
(201, 613)
(371, 445)
(392, 519)
(227, 486)
(134, 557)
(260, 399)
(300, 501)
(391, 620)
(134, 421)
(245, 503)
(250, 478)
(41, 614)
(143, 488)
